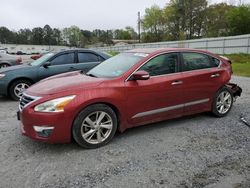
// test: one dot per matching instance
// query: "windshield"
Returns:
(42, 59)
(116, 65)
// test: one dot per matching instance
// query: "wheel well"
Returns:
(113, 107)
(21, 78)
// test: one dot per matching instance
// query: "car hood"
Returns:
(12, 68)
(64, 82)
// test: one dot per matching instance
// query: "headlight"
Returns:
(55, 105)
(2, 75)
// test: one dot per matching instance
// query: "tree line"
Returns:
(190, 19)
(71, 36)
(178, 20)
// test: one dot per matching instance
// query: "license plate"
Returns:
(18, 115)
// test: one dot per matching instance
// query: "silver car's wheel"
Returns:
(20, 88)
(95, 126)
(3, 66)
(223, 102)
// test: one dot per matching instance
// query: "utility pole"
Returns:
(139, 27)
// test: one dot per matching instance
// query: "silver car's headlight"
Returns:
(55, 105)
(2, 75)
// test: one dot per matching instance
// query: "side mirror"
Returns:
(140, 75)
(46, 64)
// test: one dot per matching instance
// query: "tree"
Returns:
(72, 36)
(217, 21)
(239, 20)
(6, 36)
(23, 36)
(56, 37)
(37, 36)
(47, 35)
(154, 23)
(186, 17)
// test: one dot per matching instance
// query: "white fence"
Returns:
(13, 48)
(222, 45)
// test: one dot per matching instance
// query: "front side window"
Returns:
(162, 64)
(195, 61)
(42, 59)
(63, 59)
(87, 57)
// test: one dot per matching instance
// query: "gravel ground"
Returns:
(195, 151)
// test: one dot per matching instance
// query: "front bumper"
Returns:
(47, 127)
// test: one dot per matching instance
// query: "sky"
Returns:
(86, 14)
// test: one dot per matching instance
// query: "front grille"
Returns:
(25, 100)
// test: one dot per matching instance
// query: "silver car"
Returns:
(7, 60)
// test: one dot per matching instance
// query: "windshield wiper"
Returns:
(91, 75)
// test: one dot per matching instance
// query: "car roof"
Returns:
(159, 50)
(104, 55)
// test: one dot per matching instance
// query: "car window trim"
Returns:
(97, 55)
(57, 55)
(209, 56)
(178, 65)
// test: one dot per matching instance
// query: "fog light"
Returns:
(43, 131)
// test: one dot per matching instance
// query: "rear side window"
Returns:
(195, 61)
(162, 64)
(88, 57)
(64, 59)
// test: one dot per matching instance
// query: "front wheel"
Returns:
(95, 126)
(17, 88)
(223, 102)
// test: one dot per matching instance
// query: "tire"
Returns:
(222, 107)
(4, 65)
(94, 126)
(20, 85)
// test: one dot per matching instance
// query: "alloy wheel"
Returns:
(96, 127)
(20, 88)
(3, 66)
(224, 102)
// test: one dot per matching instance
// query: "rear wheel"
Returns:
(223, 102)
(95, 126)
(4, 65)
(17, 88)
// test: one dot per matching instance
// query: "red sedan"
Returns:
(133, 88)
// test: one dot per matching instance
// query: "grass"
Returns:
(113, 53)
(240, 63)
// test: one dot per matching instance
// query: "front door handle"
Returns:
(177, 83)
(215, 75)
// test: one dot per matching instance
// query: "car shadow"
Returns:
(38, 146)
(161, 125)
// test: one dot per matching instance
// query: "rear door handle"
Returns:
(177, 83)
(215, 75)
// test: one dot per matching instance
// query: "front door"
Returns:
(60, 64)
(159, 97)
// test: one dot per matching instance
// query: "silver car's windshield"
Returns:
(42, 59)
(116, 65)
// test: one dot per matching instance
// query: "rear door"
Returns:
(87, 60)
(159, 97)
(202, 77)
(61, 63)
